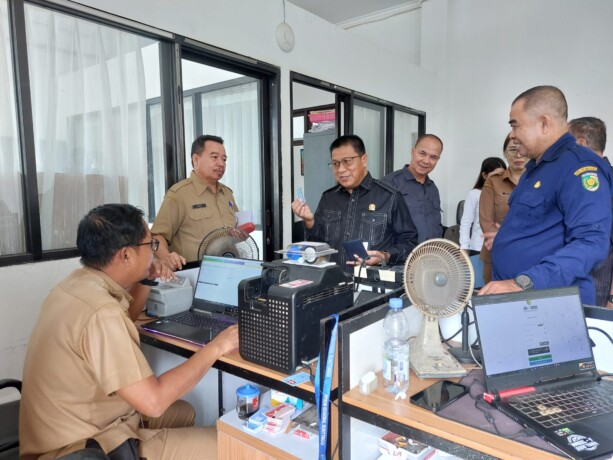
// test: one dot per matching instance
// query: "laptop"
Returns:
(540, 371)
(215, 303)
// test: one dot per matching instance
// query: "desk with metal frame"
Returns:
(380, 410)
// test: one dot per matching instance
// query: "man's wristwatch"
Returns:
(524, 282)
(610, 298)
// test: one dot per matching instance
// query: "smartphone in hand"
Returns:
(355, 248)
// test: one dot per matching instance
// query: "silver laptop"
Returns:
(215, 303)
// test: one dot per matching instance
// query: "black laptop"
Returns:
(539, 368)
(215, 304)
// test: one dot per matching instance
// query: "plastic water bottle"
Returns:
(396, 350)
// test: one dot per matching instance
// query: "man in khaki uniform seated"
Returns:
(196, 206)
(85, 377)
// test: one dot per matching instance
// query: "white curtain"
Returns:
(88, 100)
(12, 240)
(367, 124)
(233, 113)
(405, 135)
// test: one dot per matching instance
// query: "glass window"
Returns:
(406, 131)
(89, 85)
(12, 229)
(369, 124)
(228, 104)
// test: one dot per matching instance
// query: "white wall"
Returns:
(491, 51)
(23, 289)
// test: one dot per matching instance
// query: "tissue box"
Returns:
(394, 446)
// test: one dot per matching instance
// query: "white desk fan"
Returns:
(229, 242)
(438, 279)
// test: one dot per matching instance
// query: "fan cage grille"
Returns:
(229, 242)
(443, 261)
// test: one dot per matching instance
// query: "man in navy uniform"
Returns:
(559, 221)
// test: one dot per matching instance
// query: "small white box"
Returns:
(394, 446)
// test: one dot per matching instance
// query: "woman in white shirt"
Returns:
(471, 236)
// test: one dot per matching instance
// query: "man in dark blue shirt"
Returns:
(359, 208)
(418, 190)
(559, 221)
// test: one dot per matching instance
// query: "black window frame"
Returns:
(172, 48)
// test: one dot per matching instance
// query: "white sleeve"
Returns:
(468, 217)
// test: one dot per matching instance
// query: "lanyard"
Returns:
(323, 410)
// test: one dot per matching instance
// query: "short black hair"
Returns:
(105, 230)
(198, 144)
(547, 97)
(506, 143)
(431, 136)
(592, 129)
(349, 139)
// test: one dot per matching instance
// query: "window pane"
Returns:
(406, 127)
(12, 232)
(89, 86)
(229, 107)
(369, 124)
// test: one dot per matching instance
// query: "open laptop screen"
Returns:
(219, 278)
(532, 336)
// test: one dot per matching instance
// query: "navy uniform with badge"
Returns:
(190, 211)
(559, 222)
(374, 212)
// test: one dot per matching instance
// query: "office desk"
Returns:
(232, 363)
(402, 417)
(234, 440)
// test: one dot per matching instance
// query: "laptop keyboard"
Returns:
(557, 407)
(201, 321)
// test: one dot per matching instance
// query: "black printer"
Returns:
(279, 312)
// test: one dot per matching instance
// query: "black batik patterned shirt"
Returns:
(374, 212)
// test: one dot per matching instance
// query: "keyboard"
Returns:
(202, 321)
(556, 407)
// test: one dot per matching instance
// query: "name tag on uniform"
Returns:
(197, 206)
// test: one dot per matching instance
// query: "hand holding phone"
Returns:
(355, 248)
(439, 395)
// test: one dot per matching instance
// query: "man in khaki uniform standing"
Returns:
(195, 206)
(85, 377)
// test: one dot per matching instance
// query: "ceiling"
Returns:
(337, 11)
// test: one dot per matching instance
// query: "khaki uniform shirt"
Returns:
(191, 211)
(83, 349)
(494, 205)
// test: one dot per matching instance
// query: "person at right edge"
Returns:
(559, 222)
(592, 132)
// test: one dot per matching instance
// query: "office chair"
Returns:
(9, 423)
(453, 233)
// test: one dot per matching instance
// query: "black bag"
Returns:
(127, 450)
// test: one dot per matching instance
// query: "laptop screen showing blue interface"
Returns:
(219, 278)
(532, 332)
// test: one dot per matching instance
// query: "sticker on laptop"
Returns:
(582, 443)
(296, 283)
(564, 431)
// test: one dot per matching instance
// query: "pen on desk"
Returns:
(491, 397)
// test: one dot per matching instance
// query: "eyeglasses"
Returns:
(155, 244)
(514, 153)
(345, 161)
